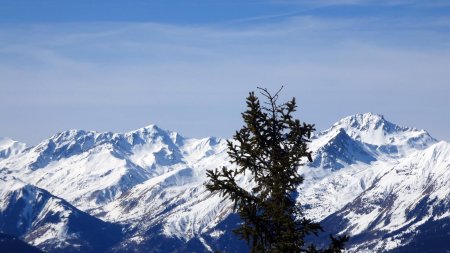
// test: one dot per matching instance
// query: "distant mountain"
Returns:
(383, 184)
(379, 135)
(9, 148)
(350, 155)
(90, 169)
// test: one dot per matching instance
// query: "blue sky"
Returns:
(188, 65)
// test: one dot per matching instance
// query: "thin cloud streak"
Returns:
(193, 79)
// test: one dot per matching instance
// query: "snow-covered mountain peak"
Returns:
(9, 147)
(5, 141)
(147, 130)
(69, 138)
(386, 137)
(363, 120)
(66, 144)
(369, 127)
(153, 133)
(75, 142)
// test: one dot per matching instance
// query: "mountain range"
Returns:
(385, 185)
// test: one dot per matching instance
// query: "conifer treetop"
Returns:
(270, 146)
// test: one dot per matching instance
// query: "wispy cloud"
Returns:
(194, 78)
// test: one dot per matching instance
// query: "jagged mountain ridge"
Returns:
(90, 169)
(151, 180)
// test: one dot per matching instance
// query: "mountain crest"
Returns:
(369, 122)
(9, 147)
(152, 181)
(384, 136)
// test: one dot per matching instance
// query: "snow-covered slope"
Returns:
(90, 169)
(151, 181)
(50, 223)
(350, 155)
(401, 200)
(10, 147)
(177, 201)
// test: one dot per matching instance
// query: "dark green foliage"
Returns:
(271, 145)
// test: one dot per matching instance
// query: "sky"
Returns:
(187, 66)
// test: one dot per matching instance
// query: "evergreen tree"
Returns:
(271, 146)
